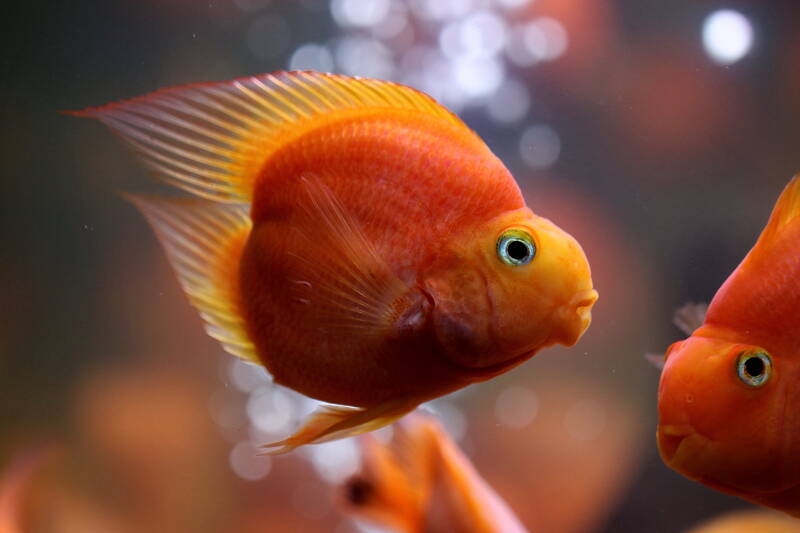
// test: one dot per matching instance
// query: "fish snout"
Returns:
(670, 438)
(576, 316)
(583, 302)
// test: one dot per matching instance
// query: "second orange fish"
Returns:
(354, 237)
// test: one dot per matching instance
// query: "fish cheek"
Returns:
(461, 317)
(456, 333)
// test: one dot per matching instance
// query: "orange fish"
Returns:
(15, 484)
(749, 521)
(422, 483)
(354, 237)
(728, 401)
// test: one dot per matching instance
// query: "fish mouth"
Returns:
(685, 450)
(670, 438)
(583, 302)
(576, 317)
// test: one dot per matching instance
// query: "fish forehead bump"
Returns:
(761, 295)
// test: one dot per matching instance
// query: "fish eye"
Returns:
(754, 368)
(516, 247)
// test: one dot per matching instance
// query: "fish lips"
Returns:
(573, 319)
(694, 456)
(679, 444)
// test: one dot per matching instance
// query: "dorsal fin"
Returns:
(204, 242)
(212, 139)
(786, 209)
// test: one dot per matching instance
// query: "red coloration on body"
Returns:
(349, 236)
(733, 427)
(360, 156)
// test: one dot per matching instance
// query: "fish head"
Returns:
(520, 283)
(726, 416)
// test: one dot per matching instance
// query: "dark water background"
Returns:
(667, 167)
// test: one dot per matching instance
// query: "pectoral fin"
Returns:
(346, 281)
(690, 316)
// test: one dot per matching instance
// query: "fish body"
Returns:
(16, 479)
(422, 482)
(354, 237)
(749, 521)
(729, 400)
(454, 178)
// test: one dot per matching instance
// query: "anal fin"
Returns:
(333, 422)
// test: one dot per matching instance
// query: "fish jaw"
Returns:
(575, 317)
(679, 446)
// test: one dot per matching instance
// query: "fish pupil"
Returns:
(754, 366)
(517, 250)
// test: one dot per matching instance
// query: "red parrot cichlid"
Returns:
(729, 401)
(354, 237)
(422, 483)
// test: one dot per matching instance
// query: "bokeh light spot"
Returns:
(482, 34)
(513, 4)
(585, 420)
(358, 12)
(335, 461)
(247, 464)
(479, 77)
(312, 56)
(247, 376)
(450, 416)
(539, 146)
(727, 36)
(362, 56)
(516, 407)
(270, 410)
(510, 103)
(393, 24)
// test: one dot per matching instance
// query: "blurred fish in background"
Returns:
(421, 482)
(749, 521)
(655, 133)
(16, 479)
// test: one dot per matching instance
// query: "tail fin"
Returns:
(204, 242)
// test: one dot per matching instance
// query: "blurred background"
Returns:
(658, 133)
